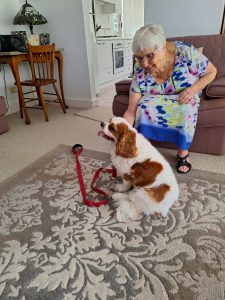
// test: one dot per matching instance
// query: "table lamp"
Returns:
(29, 16)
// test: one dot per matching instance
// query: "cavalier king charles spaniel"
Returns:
(148, 185)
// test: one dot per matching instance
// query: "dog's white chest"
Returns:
(121, 164)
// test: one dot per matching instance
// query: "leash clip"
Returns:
(77, 149)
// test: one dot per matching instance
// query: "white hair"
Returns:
(149, 36)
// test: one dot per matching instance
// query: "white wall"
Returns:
(67, 23)
(181, 18)
(67, 29)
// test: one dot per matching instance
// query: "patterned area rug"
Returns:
(54, 247)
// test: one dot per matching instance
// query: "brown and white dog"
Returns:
(148, 183)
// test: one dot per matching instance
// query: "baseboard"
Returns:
(73, 102)
(13, 106)
(83, 103)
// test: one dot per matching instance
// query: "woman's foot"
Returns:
(183, 164)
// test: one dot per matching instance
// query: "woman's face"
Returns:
(150, 59)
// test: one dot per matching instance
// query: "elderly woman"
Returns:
(164, 94)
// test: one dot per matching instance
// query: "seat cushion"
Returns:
(216, 89)
(211, 113)
(38, 82)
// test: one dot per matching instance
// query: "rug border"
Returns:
(61, 147)
(200, 174)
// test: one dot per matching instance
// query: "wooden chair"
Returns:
(41, 61)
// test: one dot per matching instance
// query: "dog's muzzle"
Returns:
(102, 133)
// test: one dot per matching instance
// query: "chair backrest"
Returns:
(41, 60)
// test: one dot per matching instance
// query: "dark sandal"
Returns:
(182, 162)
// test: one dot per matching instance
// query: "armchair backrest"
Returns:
(213, 48)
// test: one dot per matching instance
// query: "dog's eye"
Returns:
(112, 128)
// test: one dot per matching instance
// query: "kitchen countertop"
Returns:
(112, 38)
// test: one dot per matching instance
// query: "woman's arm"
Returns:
(130, 113)
(188, 94)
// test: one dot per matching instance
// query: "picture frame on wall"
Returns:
(44, 39)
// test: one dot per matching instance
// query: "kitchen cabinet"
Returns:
(109, 8)
(133, 16)
(128, 56)
(105, 61)
(106, 48)
(106, 1)
(118, 6)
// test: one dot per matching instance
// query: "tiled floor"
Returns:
(106, 95)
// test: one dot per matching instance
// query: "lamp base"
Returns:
(31, 28)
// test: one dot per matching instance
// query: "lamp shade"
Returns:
(29, 16)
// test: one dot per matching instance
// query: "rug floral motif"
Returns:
(54, 247)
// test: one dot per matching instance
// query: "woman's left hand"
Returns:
(186, 96)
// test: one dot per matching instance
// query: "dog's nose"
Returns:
(102, 124)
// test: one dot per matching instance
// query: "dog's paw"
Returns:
(120, 216)
(126, 211)
(119, 187)
(117, 198)
(159, 216)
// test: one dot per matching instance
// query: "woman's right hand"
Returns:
(130, 113)
(130, 117)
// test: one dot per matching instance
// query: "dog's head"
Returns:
(123, 134)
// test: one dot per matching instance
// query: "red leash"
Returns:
(77, 149)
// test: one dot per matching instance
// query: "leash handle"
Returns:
(77, 149)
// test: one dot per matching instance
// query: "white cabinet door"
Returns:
(104, 53)
(105, 61)
(133, 16)
(118, 4)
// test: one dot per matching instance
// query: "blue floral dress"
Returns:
(159, 115)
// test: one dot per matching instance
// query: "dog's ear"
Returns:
(126, 142)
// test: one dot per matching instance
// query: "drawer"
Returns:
(105, 75)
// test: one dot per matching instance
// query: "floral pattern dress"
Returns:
(159, 115)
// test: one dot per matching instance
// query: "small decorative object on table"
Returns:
(44, 39)
(33, 39)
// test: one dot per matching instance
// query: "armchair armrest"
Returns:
(123, 87)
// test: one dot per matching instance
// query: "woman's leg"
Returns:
(185, 168)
